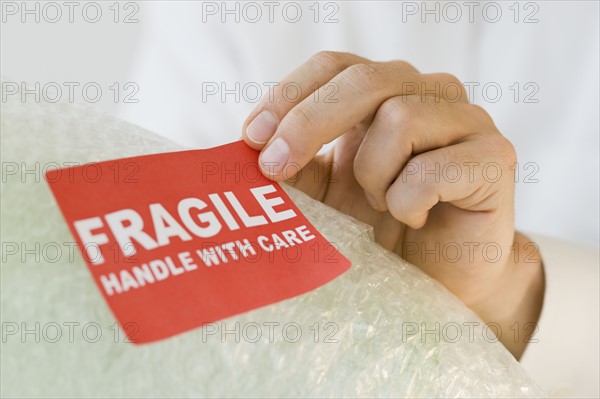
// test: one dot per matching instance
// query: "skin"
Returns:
(392, 124)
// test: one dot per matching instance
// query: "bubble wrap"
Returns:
(353, 339)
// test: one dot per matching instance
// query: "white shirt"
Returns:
(546, 71)
(563, 355)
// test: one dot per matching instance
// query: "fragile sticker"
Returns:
(178, 240)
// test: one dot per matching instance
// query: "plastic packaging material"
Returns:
(382, 329)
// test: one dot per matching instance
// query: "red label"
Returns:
(178, 240)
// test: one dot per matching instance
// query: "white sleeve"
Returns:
(564, 355)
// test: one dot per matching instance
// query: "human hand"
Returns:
(428, 170)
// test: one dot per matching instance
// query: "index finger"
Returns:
(360, 90)
(262, 123)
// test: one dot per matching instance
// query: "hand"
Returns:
(429, 171)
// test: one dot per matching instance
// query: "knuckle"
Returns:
(448, 82)
(328, 60)
(398, 111)
(505, 150)
(300, 117)
(498, 148)
(364, 77)
(406, 65)
(448, 78)
(480, 113)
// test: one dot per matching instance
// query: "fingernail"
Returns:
(275, 156)
(262, 127)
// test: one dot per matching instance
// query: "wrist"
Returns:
(515, 302)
